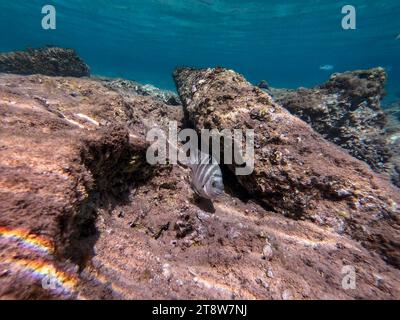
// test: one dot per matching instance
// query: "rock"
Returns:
(346, 110)
(267, 252)
(287, 295)
(51, 61)
(59, 167)
(379, 280)
(263, 84)
(262, 283)
(133, 87)
(69, 164)
(166, 271)
(184, 226)
(393, 111)
(393, 140)
(307, 179)
(270, 273)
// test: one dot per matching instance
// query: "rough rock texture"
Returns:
(65, 152)
(346, 110)
(51, 61)
(393, 138)
(393, 112)
(164, 244)
(133, 87)
(297, 172)
(79, 203)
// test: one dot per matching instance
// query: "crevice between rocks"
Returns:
(116, 166)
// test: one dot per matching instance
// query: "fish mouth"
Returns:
(218, 190)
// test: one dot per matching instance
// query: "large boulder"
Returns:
(346, 110)
(297, 172)
(69, 146)
(51, 61)
(82, 214)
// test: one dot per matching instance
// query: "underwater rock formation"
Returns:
(133, 87)
(82, 214)
(51, 61)
(263, 84)
(393, 133)
(68, 148)
(346, 110)
(393, 111)
(297, 172)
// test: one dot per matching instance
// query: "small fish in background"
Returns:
(206, 176)
(398, 37)
(327, 67)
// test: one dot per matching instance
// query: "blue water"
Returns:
(283, 43)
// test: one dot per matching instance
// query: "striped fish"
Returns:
(206, 176)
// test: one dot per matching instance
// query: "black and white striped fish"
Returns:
(206, 176)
